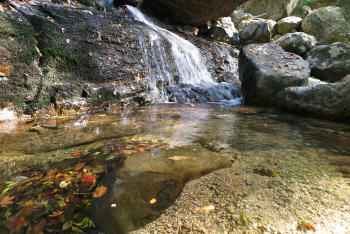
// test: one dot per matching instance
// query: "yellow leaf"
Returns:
(132, 87)
(275, 69)
(66, 225)
(41, 55)
(153, 201)
(75, 229)
(56, 213)
(64, 184)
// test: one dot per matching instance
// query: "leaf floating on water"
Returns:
(235, 185)
(6, 201)
(100, 191)
(206, 209)
(179, 158)
(153, 201)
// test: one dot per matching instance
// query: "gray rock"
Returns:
(297, 42)
(288, 24)
(147, 176)
(328, 101)
(194, 12)
(134, 3)
(313, 82)
(225, 31)
(265, 69)
(301, 12)
(330, 62)
(274, 9)
(323, 21)
(238, 16)
(256, 31)
(340, 33)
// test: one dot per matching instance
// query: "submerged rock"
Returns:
(146, 184)
(329, 62)
(329, 101)
(192, 12)
(297, 42)
(266, 69)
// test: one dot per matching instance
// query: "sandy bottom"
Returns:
(294, 191)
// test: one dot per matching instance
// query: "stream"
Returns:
(38, 156)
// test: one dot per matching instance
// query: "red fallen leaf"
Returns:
(77, 154)
(74, 199)
(51, 191)
(53, 221)
(89, 178)
(6, 201)
(142, 151)
(79, 167)
(20, 222)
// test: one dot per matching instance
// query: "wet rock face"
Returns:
(297, 42)
(329, 101)
(192, 12)
(150, 181)
(329, 62)
(267, 69)
(133, 3)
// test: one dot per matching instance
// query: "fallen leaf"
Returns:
(178, 158)
(64, 184)
(66, 225)
(153, 201)
(55, 213)
(235, 185)
(75, 229)
(52, 171)
(206, 209)
(306, 226)
(99, 191)
(79, 167)
(73, 199)
(77, 154)
(88, 178)
(7, 200)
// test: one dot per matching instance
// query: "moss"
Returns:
(28, 62)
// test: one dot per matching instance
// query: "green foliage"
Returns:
(28, 62)
(34, 51)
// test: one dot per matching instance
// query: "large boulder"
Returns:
(273, 9)
(150, 181)
(301, 11)
(288, 24)
(328, 101)
(297, 42)
(266, 69)
(329, 62)
(194, 12)
(224, 30)
(339, 34)
(256, 31)
(323, 21)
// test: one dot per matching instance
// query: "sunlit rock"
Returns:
(297, 42)
(256, 31)
(266, 69)
(224, 30)
(288, 24)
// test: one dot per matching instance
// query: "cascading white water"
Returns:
(187, 58)
(189, 63)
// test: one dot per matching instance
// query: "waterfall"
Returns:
(192, 72)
